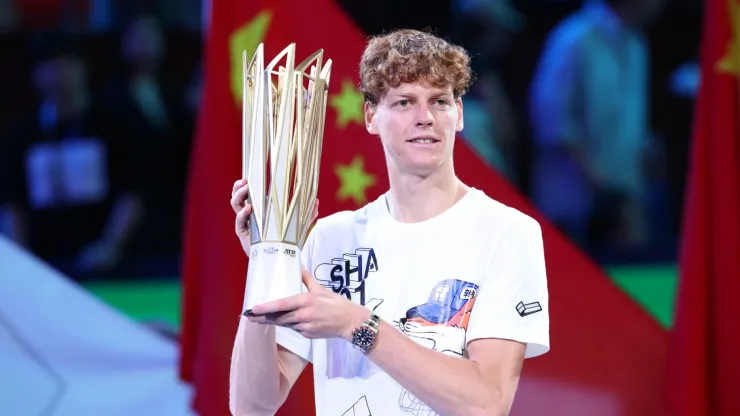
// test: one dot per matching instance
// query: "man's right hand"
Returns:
(242, 210)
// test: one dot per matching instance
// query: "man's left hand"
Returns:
(320, 313)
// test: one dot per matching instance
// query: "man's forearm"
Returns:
(256, 386)
(449, 385)
(124, 218)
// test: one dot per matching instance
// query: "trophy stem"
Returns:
(274, 273)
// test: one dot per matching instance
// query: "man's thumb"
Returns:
(308, 279)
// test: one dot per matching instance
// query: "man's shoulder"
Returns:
(491, 212)
(347, 219)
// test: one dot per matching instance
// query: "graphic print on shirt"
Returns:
(360, 408)
(347, 276)
(439, 324)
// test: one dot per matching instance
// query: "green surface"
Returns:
(653, 287)
(152, 300)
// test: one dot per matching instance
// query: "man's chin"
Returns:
(423, 168)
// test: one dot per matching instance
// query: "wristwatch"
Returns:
(365, 335)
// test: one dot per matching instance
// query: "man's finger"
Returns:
(285, 318)
(238, 184)
(280, 305)
(309, 280)
(243, 216)
(239, 197)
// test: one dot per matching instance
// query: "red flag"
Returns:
(214, 266)
(606, 351)
(702, 376)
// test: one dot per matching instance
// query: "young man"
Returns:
(441, 291)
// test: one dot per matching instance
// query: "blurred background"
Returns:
(126, 76)
(587, 112)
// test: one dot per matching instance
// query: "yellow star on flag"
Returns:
(354, 180)
(730, 63)
(245, 38)
(348, 105)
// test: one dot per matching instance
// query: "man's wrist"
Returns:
(359, 315)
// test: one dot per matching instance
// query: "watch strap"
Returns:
(373, 321)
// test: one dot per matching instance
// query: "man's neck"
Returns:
(414, 198)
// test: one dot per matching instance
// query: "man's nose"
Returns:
(424, 117)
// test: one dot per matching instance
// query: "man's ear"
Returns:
(460, 122)
(370, 122)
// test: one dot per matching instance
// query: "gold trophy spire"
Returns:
(284, 108)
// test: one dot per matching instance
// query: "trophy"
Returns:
(284, 109)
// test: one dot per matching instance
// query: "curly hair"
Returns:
(407, 56)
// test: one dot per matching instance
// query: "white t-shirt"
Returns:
(475, 271)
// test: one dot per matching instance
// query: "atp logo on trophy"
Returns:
(284, 108)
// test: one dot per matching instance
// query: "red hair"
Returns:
(408, 56)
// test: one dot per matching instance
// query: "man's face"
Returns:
(417, 124)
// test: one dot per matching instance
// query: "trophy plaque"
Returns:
(284, 108)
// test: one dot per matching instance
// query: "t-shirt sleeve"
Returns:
(288, 338)
(512, 300)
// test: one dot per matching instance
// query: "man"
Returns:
(443, 292)
(63, 171)
(153, 116)
(589, 110)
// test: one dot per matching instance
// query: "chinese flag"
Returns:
(704, 367)
(607, 353)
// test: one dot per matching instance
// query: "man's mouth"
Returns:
(423, 140)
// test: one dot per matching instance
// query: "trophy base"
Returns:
(274, 273)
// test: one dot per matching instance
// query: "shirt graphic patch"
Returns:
(360, 408)
(346, 276)
(524, 309)
(439, 324)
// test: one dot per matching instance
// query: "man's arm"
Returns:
(122, 223)
(262, 372)
(484, 384)
(124, 218)
(499, 335)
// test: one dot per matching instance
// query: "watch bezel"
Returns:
(370, 329)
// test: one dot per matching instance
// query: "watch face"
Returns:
(364, 338)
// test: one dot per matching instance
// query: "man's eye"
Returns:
(441, 102)
(403, 103)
